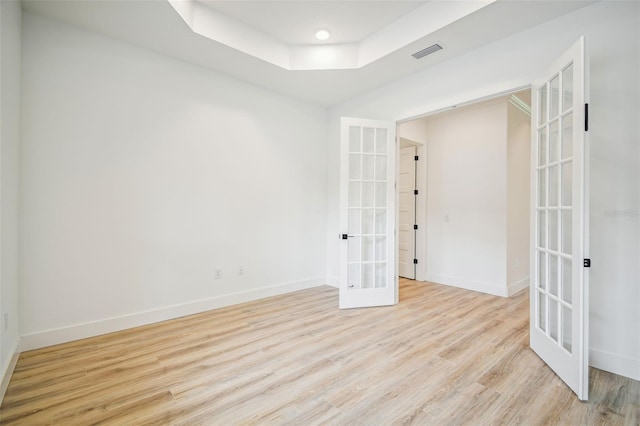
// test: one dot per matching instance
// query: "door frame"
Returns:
(423, 176)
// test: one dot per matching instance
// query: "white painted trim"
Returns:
(333, 282)
(517, 286)
(421, 211)
(8, 369)
(613, 363)
(481, 287)
(109, 325)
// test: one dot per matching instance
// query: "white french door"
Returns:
(559, 220)
(367, 213)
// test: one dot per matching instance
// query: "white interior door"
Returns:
(367, 214)
(407, 213)
(559, 221)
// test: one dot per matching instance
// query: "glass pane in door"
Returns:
(554, 95)
(566, 328)
(367, 275)
(567, 136)
(367, 222)
(354, 139)
(367, 167)
(542, 311)
(567, 88)
(542, 187)
(542, 229)
(553, 275)
(381, 221)
(367, 194)
(381, 275)
(367, 249)
(354, 194)
(381, 141)
(354, 166)
(566, 280)
(566, 185)
(566, 231)
(542, 146)
(553, 230)
(354, 220)
(553, 186)
(553, 319)
(354, 249)
(554, 141)
(542, 270)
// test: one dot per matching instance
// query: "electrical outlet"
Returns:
(517, 263)
(240, 270)
(5, 321)
(218, 274)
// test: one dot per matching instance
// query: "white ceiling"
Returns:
(383, 36)
(295, 22)
(156, 25)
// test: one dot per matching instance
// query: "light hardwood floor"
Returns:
(441, 356)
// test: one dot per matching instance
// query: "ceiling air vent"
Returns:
(427, 51)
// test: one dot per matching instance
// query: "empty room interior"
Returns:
(319, 212)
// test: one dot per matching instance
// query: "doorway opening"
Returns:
(466, 223)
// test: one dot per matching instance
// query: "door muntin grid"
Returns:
(368, 208)
(554, 209)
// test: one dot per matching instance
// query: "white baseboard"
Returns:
(481, 287)
(617, 364)
(8, 369)
(333, 282)
(110, 325)
(517, 286)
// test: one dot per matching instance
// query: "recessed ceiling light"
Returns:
(323, 34)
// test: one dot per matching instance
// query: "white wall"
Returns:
(518, 181)
(466, 201)
(414, 130)
(141, 175)
(10, 41)
(477, 185)
(613, 33)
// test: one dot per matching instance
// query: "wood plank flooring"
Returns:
(442, 356)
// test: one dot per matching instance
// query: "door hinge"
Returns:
(586, 117)
(415, 226)
(416, 158)
(415, 261)
(415, 192)
(587, 263)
